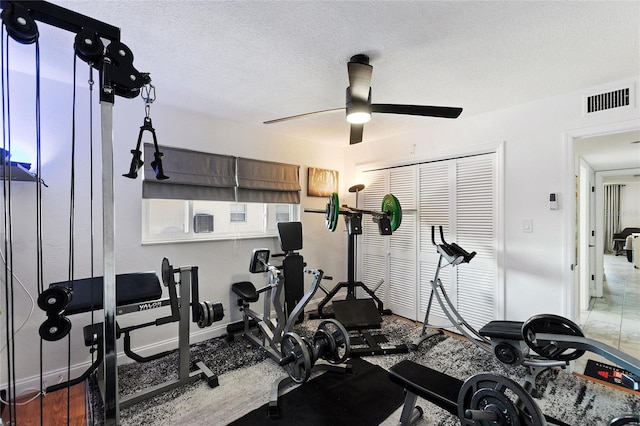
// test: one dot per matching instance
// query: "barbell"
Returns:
(391, 211)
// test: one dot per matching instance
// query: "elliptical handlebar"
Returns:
(452, 252)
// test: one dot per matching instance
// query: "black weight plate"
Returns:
(218, 312)
(167, 272)
(340, 342)
(391, 206)
(203, 315)
(551, 324)
(332, 211)
(55, 328)
(497, 395)
(53, 300)
(209, 306)
(299, 370)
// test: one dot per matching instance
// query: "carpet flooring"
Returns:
(246, 375)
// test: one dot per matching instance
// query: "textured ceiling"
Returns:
(251, 61)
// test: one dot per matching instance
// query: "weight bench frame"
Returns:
(424, 379)
(179, 312)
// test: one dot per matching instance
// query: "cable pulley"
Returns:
(20, 26)
(54, 301)
(55, 328)
(89, 47)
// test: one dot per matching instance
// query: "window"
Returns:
(213, 197)
(282, 213)
(238, 213)
(168, 221)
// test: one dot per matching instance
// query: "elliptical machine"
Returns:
(298, 356)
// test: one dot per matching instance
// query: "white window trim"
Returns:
(191, 237)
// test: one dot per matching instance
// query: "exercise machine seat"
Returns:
(130, 288)
(510, 330)
(428, 383)
(246, 291)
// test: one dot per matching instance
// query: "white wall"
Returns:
(538, 161)
(220, 263)
(630, 205)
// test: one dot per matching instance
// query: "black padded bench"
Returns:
(246, 291)
(131, 288)
(424, 382)
(507, 330)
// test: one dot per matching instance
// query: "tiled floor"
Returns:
(614, 319)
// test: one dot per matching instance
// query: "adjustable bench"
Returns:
(483, 398)
(420, 381)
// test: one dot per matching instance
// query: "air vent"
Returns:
(202, 223)
(609, 100)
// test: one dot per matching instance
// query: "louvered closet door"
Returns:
(372, 245)
(436, 192)
(402, 292)
(475, 231)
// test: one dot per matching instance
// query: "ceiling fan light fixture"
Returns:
(358, 117)
(358, 110)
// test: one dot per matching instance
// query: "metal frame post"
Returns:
(111, 395)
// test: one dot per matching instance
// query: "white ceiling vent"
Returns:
(618, 98)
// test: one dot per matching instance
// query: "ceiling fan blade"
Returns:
(359, 77)
(293, 117)
(355, 135)
(424, 110)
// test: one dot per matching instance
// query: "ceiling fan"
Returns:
(359, 107)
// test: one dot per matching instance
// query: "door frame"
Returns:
(571, 293)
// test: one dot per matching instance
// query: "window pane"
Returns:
(238, 213)
(167, 217)
(175, 220)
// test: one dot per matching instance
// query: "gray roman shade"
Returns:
(197, 175)
(268, 182)
(192, 175)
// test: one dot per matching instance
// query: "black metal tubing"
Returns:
(139, 358)
(64, 18)
(84, 375)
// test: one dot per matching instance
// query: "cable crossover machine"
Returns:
(359, 315)
(98, 44)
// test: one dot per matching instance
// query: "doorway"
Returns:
(601, 155)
